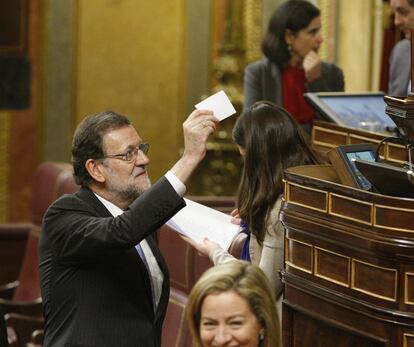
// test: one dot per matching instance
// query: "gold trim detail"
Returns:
(4, 160)
(287, 239)
(347, 217)
(364, 138)
(325, 130)
(387, 298)
(406, 301)
(406, 337)
(344, 284)
(375, 224)
(307, 206)
(389, 157)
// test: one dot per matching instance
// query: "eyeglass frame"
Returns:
(143, 147)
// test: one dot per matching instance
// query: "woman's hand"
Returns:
(236, 217)
(312, 66)
(206, 247)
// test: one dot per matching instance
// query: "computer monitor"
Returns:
(365, 111)
(387, 179)
(343, 159)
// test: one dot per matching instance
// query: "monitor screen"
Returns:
(361, 111)
(364, 155)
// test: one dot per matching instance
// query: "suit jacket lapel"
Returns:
(87, 195)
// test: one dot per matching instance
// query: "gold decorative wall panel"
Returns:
(329, 29)
(355, 43)
(130, 58)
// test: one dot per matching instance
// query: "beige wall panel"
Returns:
(355, 43)
(130, 58)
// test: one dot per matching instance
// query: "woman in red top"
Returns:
(292, 65)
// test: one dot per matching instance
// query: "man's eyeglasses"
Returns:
(132, 154)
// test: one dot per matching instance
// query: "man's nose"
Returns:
(141, 158)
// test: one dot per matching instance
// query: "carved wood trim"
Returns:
(409, 288)
(317, 267)
(366, 290)
(288, 255)
(341, 215)
(297, 203)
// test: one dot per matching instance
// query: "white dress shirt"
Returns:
(156, 275)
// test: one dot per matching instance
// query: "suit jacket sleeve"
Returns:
(80, 228)
(400, 68)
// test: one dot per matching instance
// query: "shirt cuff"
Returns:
(178, 186)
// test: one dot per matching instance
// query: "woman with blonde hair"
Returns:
(233, 304)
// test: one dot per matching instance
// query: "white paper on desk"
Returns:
(198, 221)
(219, 103)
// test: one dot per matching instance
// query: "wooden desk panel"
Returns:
(326, 136)
(349, 264)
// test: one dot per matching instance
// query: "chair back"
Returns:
(51, 179)
(47, 179)
(175, 332)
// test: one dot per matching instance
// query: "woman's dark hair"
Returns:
(273, 141)
(293, 15)
(88, 139)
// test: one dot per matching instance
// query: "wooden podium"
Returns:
(349, 264)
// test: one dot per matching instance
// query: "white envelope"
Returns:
(219, 103)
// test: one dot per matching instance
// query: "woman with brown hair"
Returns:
(270, 141)
(292, 65)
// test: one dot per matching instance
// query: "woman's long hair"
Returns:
(272, 141)
(293, 15)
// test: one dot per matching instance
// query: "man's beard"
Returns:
(131, 191)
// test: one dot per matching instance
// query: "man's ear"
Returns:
(93, 167)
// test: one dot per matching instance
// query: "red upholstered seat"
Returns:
(50, 180)
(175, 332)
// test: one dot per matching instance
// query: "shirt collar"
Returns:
(113, 209)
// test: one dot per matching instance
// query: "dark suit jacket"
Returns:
(95, 287)
(400, 69)
(263, 81)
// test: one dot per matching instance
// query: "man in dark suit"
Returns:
(104, 282)
(400, 62)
